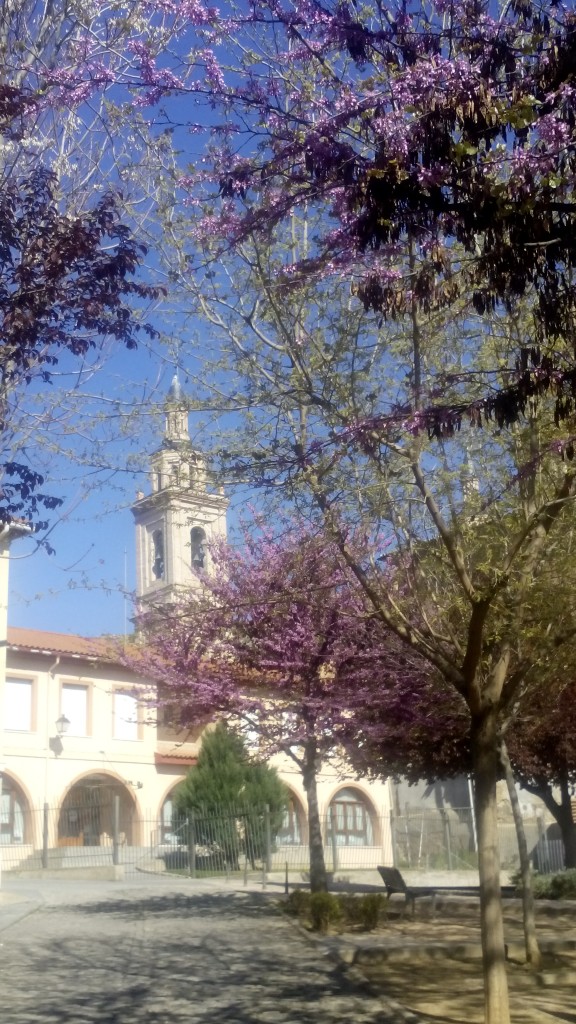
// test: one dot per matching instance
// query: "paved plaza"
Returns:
(149, 950)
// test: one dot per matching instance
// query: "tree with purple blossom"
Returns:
(280, 644)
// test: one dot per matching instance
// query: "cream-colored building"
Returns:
(114, 770)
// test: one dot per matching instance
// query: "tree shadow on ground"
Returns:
(199, 905)
(99, 981)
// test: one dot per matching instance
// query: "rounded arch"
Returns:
(87, 811)
(352, 818)
(294, 830)
(16, 826)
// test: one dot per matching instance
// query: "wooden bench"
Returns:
(395, 885)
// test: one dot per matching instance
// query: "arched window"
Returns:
(172, 824)
(13, 817)
(167, 816)
(158, 555)
(350, 819)
(293, 830)
(198, 548)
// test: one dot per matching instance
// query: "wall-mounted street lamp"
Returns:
(62, 725)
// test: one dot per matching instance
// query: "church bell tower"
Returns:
(176, 522)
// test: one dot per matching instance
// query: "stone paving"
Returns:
(149, 951)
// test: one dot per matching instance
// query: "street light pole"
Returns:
(62, 724)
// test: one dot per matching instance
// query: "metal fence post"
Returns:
(45, 836)
(268, 838)
(116, 830)
(333, 838)
(447, 836)
(191, 845)
(393, 838)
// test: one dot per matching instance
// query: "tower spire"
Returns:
(177, 521)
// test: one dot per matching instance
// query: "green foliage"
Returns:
(298, 903)
(217, 779)
(561, 886)
(368, 910)
(348, 910)
(227, 794)
(362, 911)
(325, 910)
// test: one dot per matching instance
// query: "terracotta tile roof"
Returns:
(61, 643)
(179, 759)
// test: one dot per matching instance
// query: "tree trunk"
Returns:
(569, 840)
(567, 827)
(485, 750)
(533, 955)
(318, 879)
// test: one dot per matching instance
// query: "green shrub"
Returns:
(324, 911)
(350, 907)
(363, 911)
(540, 886)
(370, 908)
(298, 903)
(561, 886)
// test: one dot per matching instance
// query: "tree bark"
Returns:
(533, 955)
(485, 750)
(318, 878)
(567, 827)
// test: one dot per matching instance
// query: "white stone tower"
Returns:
(176, 522)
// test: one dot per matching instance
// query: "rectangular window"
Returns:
(125, 717)
(18, 705)
(74, 705)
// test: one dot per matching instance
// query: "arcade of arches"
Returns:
(86, 816)
(351, 820)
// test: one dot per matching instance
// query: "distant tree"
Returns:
(236, 794)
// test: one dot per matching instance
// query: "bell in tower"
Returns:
(178, 520)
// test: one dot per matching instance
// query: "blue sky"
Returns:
(82, 587)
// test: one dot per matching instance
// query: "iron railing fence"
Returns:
(445, 840)
(246, 840)
(435, 839)
(238, 840)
